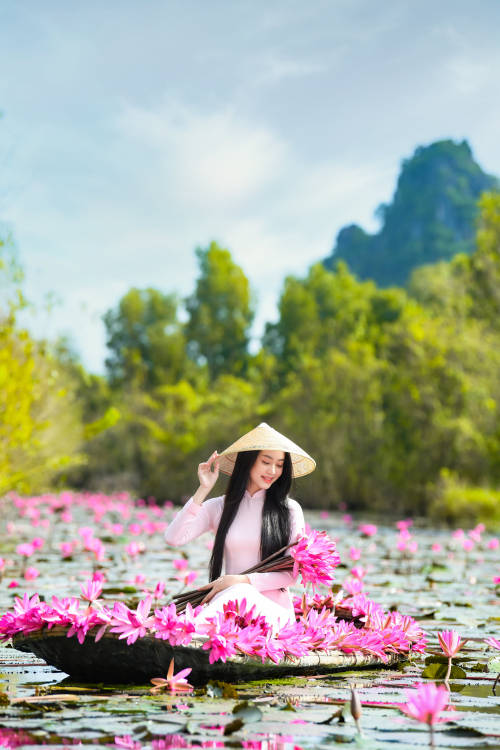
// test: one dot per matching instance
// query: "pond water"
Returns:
(437, 579)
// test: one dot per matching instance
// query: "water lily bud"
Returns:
(355, 705)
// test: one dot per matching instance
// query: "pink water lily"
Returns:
(91, 590)
(425, 704)
(451, 644)
(175, 683)
(131, 624)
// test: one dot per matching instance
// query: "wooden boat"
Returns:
(110, 660)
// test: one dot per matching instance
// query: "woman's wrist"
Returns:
(200, 495)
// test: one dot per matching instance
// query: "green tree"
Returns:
(145, 339)
(220, 313)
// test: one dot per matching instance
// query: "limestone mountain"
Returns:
(431, 217)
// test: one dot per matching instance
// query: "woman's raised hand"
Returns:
(208, 472)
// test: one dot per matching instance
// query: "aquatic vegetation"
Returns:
(406, 599)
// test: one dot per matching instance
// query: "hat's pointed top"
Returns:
(264, 437)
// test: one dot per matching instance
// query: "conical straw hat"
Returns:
(264, 437)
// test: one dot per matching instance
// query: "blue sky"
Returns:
(133, 132)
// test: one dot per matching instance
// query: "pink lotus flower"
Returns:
(354, 553)
(450, 642)
(493, 642)
(493, 543)
(127, 743)
(175, 683)
(31, 573)
(426, 702)
(91, 590)
(37, 542)
(159, 590)
(458, 534)
(403, 525)
(436, 547)
(315, 558)
(66, 549)
(367, 529)
(26, 549)
(188, 577)
(324, 514)
(467, 545)
(180, 564)
(133, 549)
(496, 579)
(13, 585)
(131, 624)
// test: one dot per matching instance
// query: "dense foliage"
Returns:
(432, 216)
(395, 392)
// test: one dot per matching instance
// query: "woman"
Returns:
(251, 521)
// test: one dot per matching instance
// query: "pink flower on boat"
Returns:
(450, 642)
(426, 702)
(31, 573)
(91, 590)
(131, 624)
(367, 529)
(315, 558)
(174, 683)
(177, 629)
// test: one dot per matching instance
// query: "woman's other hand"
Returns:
(208, 472)
(224, 582)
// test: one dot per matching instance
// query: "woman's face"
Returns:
(267, 468)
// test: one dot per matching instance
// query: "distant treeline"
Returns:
(395, 392)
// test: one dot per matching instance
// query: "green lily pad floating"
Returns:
(437, 671)
(494, 664)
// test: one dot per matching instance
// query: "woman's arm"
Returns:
(195, 517)
(281, 579)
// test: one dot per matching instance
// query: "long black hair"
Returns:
(275, 532)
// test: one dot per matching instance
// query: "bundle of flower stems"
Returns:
(278, 561)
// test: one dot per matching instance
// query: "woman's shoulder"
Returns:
(293, 505)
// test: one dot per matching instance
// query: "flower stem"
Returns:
(431, 736)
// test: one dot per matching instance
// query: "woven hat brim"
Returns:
(264, 437)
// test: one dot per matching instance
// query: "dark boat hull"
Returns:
(110, 660)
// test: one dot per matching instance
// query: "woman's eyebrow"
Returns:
(265, 455)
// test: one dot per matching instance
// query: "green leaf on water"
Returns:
(494, 664)
(437, 671)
